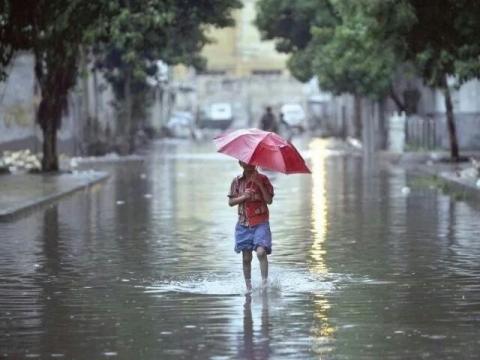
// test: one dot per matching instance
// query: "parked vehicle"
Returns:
(181, 124)
(216, 116)
(293, 116)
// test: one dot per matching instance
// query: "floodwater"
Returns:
(143, 266)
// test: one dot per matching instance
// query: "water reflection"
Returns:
(255, 344)
(359, 269)
(323, 331)
(319, 205)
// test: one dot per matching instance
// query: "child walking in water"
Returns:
(252, 192)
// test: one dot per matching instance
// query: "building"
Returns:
(242, 70)
(239, 51)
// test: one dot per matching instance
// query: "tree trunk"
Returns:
(50, 157)
(383, 124)
(127, 92)
(357, 117)
(452, 130)
(49, 116)
(56, 76)
(393, 95)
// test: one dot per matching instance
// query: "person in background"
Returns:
(268, 122)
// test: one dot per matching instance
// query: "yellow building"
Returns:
(239, 50)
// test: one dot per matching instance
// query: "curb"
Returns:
(29, 205)
(454, 184)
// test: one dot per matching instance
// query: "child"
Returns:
(252, 192)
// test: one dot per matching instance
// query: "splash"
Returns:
(284, 282)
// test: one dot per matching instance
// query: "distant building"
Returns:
(242, 70)
(239, 50)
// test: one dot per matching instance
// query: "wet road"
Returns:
(143, 267)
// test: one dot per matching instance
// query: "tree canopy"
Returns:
(52, 30)
(129, 35)
(339, 42)
(357, 47)
(143, 31)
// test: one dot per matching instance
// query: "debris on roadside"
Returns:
(471, 172)
(19, 161)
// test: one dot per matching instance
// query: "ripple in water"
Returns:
(285, 282)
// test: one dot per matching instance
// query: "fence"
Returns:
(432, 133)
(422, 133)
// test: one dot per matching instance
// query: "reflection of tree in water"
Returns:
(255, 346)
(57, 270)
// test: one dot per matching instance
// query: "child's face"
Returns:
(246, 166)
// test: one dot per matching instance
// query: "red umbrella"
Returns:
(262, 148)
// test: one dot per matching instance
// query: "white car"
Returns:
(293, 115)
(180, 124)
(217, 116)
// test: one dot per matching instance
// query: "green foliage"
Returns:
(337, 40)
(40, 24)
(52, 30)
(356, 46)
(129, 35)
(350, 61)
(143, 31)
(289, 22)
(443, 40)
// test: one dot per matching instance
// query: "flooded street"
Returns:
(365, 265)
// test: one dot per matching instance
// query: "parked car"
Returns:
(293, 116)
(216, 116)
(181, 124)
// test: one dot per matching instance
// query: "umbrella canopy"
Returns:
(262, 148)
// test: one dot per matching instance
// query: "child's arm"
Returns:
(267, 197)
(232, 201)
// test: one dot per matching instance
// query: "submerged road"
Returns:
(143, 267)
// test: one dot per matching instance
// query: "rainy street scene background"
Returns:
(117, 240)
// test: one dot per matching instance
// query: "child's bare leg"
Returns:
(262, 258)
(247, 268)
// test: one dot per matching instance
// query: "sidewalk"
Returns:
(461, 178)
(22, 192)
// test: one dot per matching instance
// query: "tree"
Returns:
(443, 42)
(52, 30)
(337, 41)
(362, 49)
(144, 31)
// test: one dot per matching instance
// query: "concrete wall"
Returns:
(19, 100)
(90, 110)
(427, 127)
(18, 104)
(432, 132)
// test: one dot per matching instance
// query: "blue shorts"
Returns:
(249, 238)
